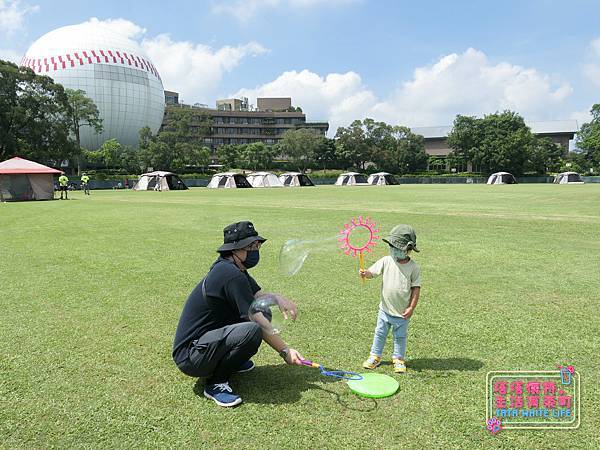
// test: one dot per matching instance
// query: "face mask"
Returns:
(252, 258)
(398, 254)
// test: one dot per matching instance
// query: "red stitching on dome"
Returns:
(123, 58)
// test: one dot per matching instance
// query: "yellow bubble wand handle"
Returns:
(361, 262)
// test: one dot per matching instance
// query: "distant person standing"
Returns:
(126, 183)
(63, 183)
(85, 180)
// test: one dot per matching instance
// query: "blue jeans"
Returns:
(399, 328)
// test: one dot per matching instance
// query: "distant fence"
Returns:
(201, 182)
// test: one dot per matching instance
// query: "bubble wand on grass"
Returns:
(366, 244)
(343, 374)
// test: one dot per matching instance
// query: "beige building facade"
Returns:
(560, 131)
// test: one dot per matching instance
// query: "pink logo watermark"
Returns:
(523, 399)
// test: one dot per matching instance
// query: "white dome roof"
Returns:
(112, 69)
(85, 43)
(84, 36)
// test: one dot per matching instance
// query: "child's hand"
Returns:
(364, 273)
(407, 312)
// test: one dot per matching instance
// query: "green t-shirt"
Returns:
(63, 180)
(85, 179)
(398, 279)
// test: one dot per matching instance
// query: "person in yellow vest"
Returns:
(85, 183)
(63, 182)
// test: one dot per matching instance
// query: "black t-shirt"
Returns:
(229, 293)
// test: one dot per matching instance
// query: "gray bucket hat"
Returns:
(239, 235)
(402, 237)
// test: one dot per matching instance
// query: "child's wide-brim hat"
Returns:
(402, 237)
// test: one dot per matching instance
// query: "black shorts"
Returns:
(63, 188)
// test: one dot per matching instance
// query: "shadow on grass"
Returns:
(280, 383)
(462, 364)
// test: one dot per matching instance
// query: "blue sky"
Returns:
(413, 63)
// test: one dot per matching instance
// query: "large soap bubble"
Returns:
(294, 252)
(292, 255)
(265, 312)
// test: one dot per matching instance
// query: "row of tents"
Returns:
(259, 179)
(293, 179)
(561, 178)
(21, 179)
(296, 179)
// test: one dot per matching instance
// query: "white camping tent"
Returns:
(501, 178)
(568, 178)
(21, 179)
(229, 180)
(295, 179)
(381, 178)
(159, 181)
(351, 179)
(263, 179)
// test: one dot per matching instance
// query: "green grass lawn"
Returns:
(92, 289)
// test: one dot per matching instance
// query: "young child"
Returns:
(399, 295)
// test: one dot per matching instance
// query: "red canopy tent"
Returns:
(21, 179)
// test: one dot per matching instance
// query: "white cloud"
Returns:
(244, 10)
(592, 69)
(12, 15)
(468, 84)
(194, 70)
(464, 83)
(336, 97)
(120, 26)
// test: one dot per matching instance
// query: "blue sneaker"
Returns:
(222, 394)
(246, 367)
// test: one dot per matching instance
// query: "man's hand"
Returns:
(408, 312)
(287, 308)
(294, 358)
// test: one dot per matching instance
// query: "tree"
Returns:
(229, 155)
(300, 146)
(351, 145)
(187, 155)
(128, 159)
(257, 156)
(82, 113)
(33, 116)
(325, 154)
(544, 156)
(499, 141)
(406, 151)
(187, 123)
(170, 151)
(588, 139)
(110, 152)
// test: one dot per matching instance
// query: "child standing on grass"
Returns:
(399, 295)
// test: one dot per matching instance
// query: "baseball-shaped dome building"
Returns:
(112, 69)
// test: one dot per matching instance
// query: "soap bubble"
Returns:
(265, 312)
(292, 256)
(294, 252)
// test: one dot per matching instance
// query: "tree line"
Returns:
(41, 120)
